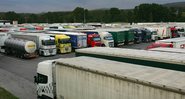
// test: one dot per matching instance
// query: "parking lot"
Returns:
(17, 75)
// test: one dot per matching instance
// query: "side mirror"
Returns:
(35, 79)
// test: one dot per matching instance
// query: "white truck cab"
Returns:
(106, 39)
(47, 46)
(44, 80)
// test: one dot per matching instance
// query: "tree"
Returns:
(115, 15)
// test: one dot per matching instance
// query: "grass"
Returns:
(6, 95)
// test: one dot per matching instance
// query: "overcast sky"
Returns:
(36, 6)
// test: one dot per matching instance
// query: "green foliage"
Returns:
(141, 13)
(6, 95)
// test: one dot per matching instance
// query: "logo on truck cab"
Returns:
(31, 46)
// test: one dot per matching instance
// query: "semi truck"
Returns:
(62, 42)
(93, 38)
(106, 39)
(166, 60)
(153, 31)
(45, 44)
(94, 78)
(121, 36)
(137, 35)
(146, 35)
(78, 40)
(20, 48)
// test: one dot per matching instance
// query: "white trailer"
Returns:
(176, 42)
(170, 50)
(45, 43)
(163, 32)
(93, 78)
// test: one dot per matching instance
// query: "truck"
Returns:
(93, 38)
(77, 40)
(20, 48)
(176, 42)
(62, 42)
(94, 78)
(163, 32)
(153, 31)
(146, 35)
(146, 58)
(121, 36)
(167, 32)
(106, 39)
(45, 44)
(137, 35)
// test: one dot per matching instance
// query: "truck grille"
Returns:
(111, 44)
(50, 50)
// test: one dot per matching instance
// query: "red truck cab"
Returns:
(93, 40)
(174, 32)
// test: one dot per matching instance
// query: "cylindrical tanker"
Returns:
(19, 47)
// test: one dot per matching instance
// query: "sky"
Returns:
(37, 6)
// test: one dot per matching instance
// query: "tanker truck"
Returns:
(20, 48)
(94, 78)
(45, 43)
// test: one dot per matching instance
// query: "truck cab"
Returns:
(44, 80)
(93, 40)
(174, 32)
(137, 35)
(106, 39)
(63, 43)
(47, 46)
(154, 35)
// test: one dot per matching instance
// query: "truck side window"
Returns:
(42, 79)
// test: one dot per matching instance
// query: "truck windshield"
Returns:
(63, 41)
(96, 39)
(42, 78)
(108, 38)
(48, 42)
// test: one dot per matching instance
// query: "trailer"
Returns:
(176, 42)
(166, 60)
(93, 37)
(93, 78)
(20, 48)
(45, 44)
(170, 50)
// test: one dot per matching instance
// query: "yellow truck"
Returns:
(63, 43)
